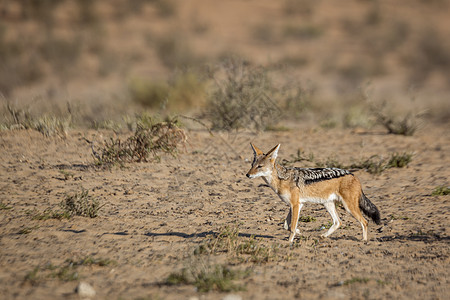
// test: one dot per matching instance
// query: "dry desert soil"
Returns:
(194, 226)
(198, 212)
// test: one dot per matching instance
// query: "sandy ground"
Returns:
(156, 214)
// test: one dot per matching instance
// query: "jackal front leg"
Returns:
(287, 221)
(294, 220)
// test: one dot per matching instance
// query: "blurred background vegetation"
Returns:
(93, 63)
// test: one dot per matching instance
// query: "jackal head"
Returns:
(263, 164)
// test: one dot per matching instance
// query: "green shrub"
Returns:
(441, 191)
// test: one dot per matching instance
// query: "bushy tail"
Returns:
(369, 209)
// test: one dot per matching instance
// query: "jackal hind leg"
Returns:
(353, 208)
(356, 212)
(331, 208)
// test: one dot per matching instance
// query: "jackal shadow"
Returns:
(428, 238)
(204, 234)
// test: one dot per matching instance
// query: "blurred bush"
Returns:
(186, 91)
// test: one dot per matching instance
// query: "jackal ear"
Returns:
(273, 153)
(256, 151)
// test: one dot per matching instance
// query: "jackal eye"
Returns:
(260, 166)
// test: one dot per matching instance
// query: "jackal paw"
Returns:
(297, 231)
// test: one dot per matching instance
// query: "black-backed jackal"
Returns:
(296, 186)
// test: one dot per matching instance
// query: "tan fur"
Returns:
(297, 186)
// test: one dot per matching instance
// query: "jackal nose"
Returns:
(248, 175)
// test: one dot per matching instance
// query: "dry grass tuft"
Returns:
(206, 277)
(81, 204)
(239, 249)
(148, 141)
(48, 125)
(68, 271)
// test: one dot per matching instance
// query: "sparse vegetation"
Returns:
(68, 271)
(243, 98)
(27, 230)
(207, 278)
(184, 91)
(399, 160)
(402, 125)
(153, 94)
(405, 126)
(398, 217)
(239, 249)
(3, 206)
(48, 125)
(67, 175)
(81, 204)
(149, 140)
(51, 214)
(51, 125)
(325, 226)
(356, 280)
(299, 78)
(77, 204)
(441, 191)
(357, 116)
(258, 253)
(307, 219)
(376, 164)
(373, 165)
